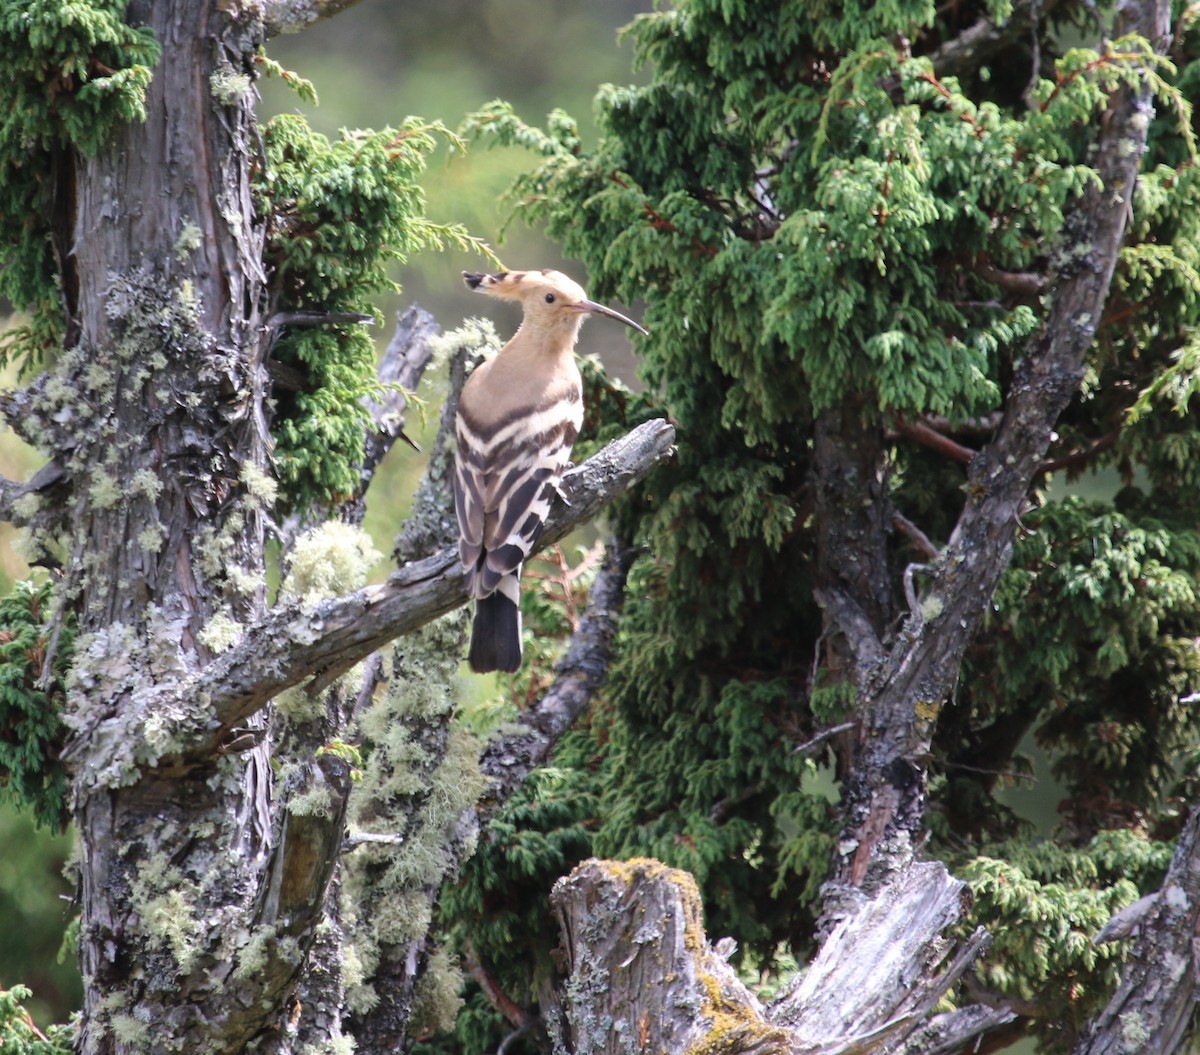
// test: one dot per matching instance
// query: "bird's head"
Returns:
(548, 298)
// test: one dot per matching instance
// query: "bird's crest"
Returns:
(546, 294)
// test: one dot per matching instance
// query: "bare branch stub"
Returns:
(292, 16)
(635, 951)
(402, 365)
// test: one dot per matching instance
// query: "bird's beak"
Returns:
(593, 308)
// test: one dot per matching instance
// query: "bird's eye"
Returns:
(549, 298)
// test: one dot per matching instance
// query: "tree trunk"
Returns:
(168, 378)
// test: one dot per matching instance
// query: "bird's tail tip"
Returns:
(495, 635)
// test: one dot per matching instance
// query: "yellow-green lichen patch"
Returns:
(436, 1000)
(221, 632)
(736, 1025)
(163, 898)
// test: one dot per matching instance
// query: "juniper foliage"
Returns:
(817, 215)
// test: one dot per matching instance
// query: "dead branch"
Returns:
(292, 16)
(915, 535)
(294, 642)
(921, 433)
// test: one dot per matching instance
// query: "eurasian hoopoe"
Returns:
(518, 416)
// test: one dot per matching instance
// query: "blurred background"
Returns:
(372, 65)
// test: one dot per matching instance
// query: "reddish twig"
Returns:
(928, 437)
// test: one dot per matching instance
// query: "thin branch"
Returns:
(853, 622)
(292, 16)
(1124, 922)
(915, 535)
(492, 989)
(294, 642)
(985, 38)
(508, 760)
(927, 437)
(979, 42)
(10, 490)
(814, 742)
(1026, 283)
(910, 592)
(401, 368)
(981, 426)
(356, 839)
(318, 318)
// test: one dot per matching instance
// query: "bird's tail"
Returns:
(496, 634)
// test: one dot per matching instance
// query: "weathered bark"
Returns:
(203, 876)
(169, 281)
(291, 16)
(641, 975)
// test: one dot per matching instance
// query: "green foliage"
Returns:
(1043, 904)
(73, 70)
(31, 729)
(338, 213)
(817, 219)
(19, 1036)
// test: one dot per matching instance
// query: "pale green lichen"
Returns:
(931, 607)
(27, 506)
(168, 920)
(474, 334)
(245, 581)
(1134, 1033)
(187, 299)
(161, 734)
(262, 488)
(113, 1001)
(330, 559)
(152, 537)
(221, 632)
(306, 794)
(104, 490)
(130, 1032)
(27, 544)
(436, 1000)
(296, 705)
(255, 954)
(186, 244)
(146, 482)
(99, 378)
(330, 1046)
(413, 787)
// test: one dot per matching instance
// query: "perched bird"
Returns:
(518, 416)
